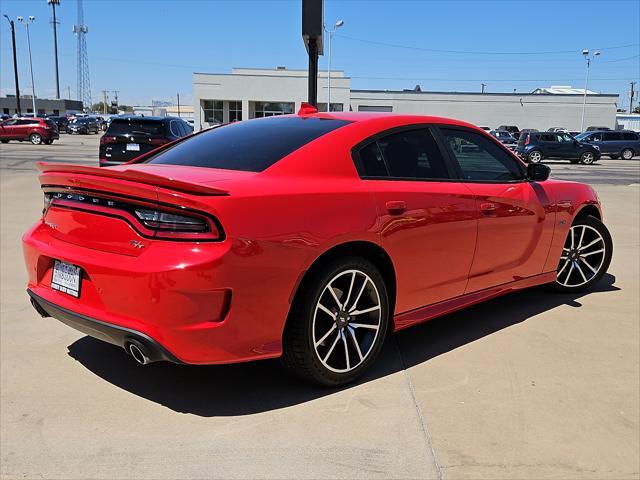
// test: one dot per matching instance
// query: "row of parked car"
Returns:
(587, 147)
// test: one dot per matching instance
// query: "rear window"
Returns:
(139, 127)
(630, 136)
(250, 146)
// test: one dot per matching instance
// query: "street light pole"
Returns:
(33, 86)
(588, 58)
(15, 64)
(337, 25)
(53, 4)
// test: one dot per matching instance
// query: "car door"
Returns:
(515, 216)
(549, 144)
(612, 143)
(427, 222)
(8, 129)
(567, 146)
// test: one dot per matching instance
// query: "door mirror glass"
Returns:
(538, 172)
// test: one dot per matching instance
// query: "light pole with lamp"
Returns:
(337, 25)
(588, 58)
(15, 64)
(33, 87)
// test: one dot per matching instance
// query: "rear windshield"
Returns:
(122, 126)
(250, 146)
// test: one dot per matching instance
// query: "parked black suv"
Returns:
(512, 129)
(534, 146)
(129, 137)
(614, 143)
(61, 121)
(84, 125)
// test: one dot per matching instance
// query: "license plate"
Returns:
(134, 147)
(66, 278)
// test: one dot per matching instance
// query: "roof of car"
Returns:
(398, 117)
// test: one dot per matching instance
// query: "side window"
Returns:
(612, 136)
(596, 137)
(548, 137)
(480, 159)
(173, 125)
(371, 161)
(10, 123)
(564, 137)
(413, 154)
(629, 136)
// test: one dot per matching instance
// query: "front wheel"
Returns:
(48, 142)
(535, 156)
(35, 138)
(585, 257)
(587, 158)
(337, 323)
(627, 154)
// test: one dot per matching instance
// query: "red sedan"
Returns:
(308, 237)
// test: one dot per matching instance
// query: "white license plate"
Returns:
(133, 147)
(66, 278)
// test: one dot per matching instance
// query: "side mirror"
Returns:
(538, 172)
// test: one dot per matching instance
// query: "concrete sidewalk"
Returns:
(533, 385)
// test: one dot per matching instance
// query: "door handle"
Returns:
(396, 207)
(488, 207)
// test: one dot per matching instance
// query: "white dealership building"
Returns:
(251, 93)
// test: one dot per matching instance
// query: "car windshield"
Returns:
(125, 126)
(250, 146)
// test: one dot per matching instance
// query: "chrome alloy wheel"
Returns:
(346, 321)
(587, 158)
(582, 256)
(535, 157)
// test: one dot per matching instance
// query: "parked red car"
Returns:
(35, 130)
(306, 236)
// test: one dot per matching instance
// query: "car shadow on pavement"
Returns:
(248, 388)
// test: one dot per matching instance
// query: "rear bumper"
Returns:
(106, 332)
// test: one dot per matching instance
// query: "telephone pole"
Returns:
(55, 22)
(105, 99)
(15, 63)
(178, 95)
(632, 94)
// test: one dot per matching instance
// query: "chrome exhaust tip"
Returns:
(139, 353)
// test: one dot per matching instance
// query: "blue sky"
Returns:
(148, 49)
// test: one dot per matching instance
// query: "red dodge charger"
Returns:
(308, 237)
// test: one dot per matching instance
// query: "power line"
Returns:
(485, 79)
(476, 52)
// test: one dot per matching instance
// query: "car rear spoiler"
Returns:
(131, 175)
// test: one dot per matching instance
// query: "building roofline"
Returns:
(511, 94)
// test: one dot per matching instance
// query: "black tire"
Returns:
(614, 157)
(535, 156)
(627, 154)
(4, 141)
(301, 356)
(607, 243)
(587, 158)
(48, 142)
(35, 138)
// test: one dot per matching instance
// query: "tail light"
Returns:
(105, 139)
(527, 140)
(168, 224)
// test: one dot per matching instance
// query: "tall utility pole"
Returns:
(631, 95)
(337, 25)
(26, 23)
(15, 64)
(178, 96)
(588, 58)
(105, 99)
(84, 84)
(54, 22)
(312, 32)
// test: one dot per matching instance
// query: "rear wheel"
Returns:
(627, 154)
(35, 138)
(337, 323)
(585, 257)
(4, 141)
(587, 158)
(535, 156)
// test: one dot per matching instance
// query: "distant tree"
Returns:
(98, 107)
(636, 110)
(125, 108)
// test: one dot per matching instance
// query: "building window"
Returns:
(335, 107)
(213, 111)
(5, 111)
(375, 108)
(235, 111)
(56, 111)
(268, 109)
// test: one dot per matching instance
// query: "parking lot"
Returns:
(530, 385)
